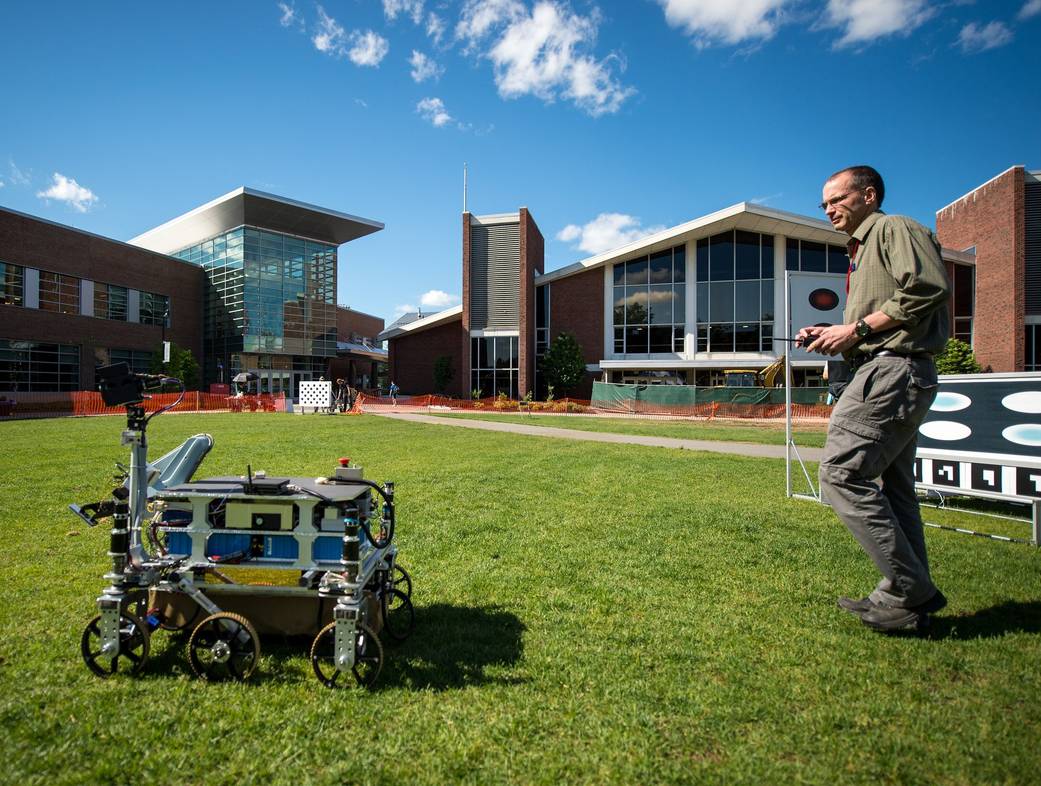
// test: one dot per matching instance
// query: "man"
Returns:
(895, 321)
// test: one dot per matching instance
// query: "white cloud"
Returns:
(974, 38)
(289, 18)
(424, 68)
(17, 176)
(2, 183)
(543, 53)
(866, 20)
(367, 48)
(435, 298)
(726, 21)
(1029, 9)
(605, 232)
(361, 102)
(435, 27)
(412, 8)
(331, 38)
(433, 110)
(479, 17)
(404, 308)
(65, 189)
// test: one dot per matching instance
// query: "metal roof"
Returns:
(246, 206)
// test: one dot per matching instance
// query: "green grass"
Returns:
(811, 436)
(587, 613)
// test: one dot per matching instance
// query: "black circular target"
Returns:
(824, 299)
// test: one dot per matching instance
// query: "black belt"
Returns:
(859, 360)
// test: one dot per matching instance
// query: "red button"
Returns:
(345, 462)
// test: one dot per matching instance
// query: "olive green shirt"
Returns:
(898, 270)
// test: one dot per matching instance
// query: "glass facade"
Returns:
(35, 367)
(650, 303)
(810, 257)
(268, 294)
(139, 361)
(495, 365)
(12, 283)
(735, 292)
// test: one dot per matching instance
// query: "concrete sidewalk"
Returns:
(710, 446)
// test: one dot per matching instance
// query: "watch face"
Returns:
(863, 328)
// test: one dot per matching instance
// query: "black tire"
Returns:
(368, 656)
(133, 646)
(399, 617)
(224, 646)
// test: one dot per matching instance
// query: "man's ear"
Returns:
(870, 195)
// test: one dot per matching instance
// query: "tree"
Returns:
(443, 373)
(182, 366)
(957, 358)
(563, 364)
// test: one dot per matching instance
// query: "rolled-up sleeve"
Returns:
(912, 257)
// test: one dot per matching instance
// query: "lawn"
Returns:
(766, 433)
(586, 613)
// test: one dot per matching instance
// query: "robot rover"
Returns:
(175, 544)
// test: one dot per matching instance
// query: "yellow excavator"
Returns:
(769, 377)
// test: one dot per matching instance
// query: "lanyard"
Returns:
(851, 248)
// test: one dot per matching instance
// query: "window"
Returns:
(11, 284)
(139, 361)
(810, 257)
(110, 301)
(964, 297)
(155, 309)
(494, 365)
(59, 293)
(33, 367)
(650, 303)
(1032, 361)
(735, 292)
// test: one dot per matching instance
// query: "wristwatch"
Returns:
(863, 329)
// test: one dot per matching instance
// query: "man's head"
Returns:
(851, 195)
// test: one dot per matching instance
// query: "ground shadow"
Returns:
(1005, 618)
(454, 647)
(451, 647)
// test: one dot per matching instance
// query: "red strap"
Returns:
(851, 248)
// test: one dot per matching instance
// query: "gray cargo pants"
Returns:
(873, 433)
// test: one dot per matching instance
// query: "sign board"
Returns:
(983, 436)
(816, 299)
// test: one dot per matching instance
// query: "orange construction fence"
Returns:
(569, 406)
(88, 402)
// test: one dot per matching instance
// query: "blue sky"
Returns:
(606, 119)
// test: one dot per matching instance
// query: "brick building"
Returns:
(999, 224)
(247, 282)
(680, 306)
(70, 301)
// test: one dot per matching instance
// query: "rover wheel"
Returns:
(368, 656)
(224, 646)
(133, 646)
(399, 617)
(400, 580)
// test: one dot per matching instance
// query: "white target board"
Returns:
(316, 395)
(816, 299)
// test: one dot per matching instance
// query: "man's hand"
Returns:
(830, 340)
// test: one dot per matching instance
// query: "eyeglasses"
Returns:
(835, 200)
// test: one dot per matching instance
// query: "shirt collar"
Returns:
(865, 226)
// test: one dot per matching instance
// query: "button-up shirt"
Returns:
(897, 269)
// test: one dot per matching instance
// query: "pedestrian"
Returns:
(895, 321)
(394, 392)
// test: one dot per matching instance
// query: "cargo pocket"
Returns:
(853, 445)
